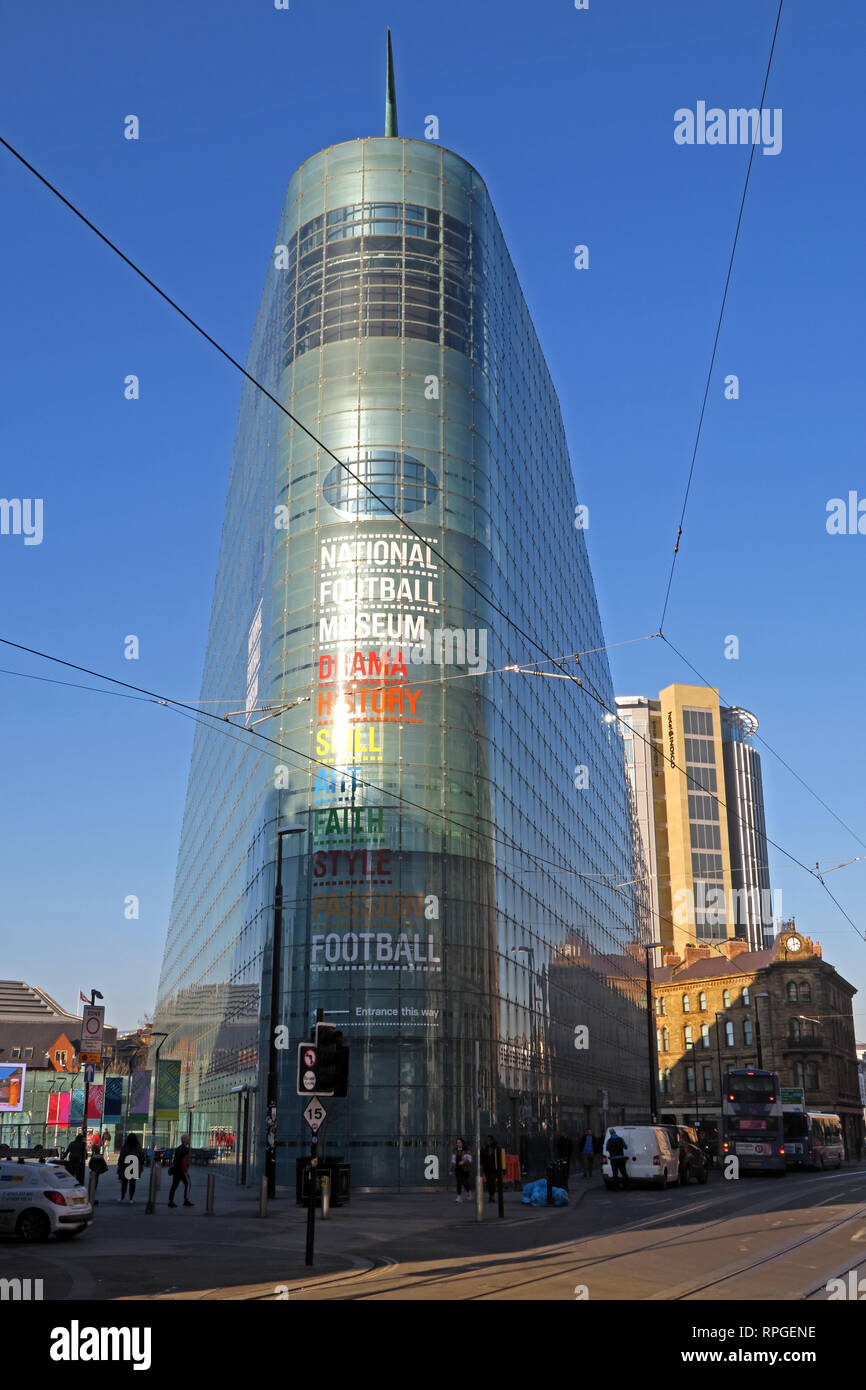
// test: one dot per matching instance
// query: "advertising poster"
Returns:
(139, 1097)
(58, 1108)
(113, 1098)
(94, 1103)
(76, 1108)
(12, 1087)
(168, 1090)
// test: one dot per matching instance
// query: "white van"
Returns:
(649, 1155)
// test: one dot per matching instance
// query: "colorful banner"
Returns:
(168, 1090)
(76, 1108)
(113, 1098)
(139, 1097)
(94, 1103)
(58, 1108)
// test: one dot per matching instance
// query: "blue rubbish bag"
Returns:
(535, 1195)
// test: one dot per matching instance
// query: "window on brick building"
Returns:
(729, 1035)
(726, 999)
(702, 1002)
(686, 1004)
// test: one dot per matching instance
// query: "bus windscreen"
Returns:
(751, 1090)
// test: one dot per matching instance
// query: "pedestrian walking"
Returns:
(106, 1142)
(616, 1150)
(587, 1153)
(75, 1157)
(97, 1166)
(461, 1167)
(490, 1165)
(129, 1166)
(179, 1171)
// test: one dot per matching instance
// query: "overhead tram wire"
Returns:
(548, 864)
(235, 732)
(284, 409)
(772, 750)
(169, 702)
(769, 747)
(381, 502)
(718, 332)
(425, 540)
(74, 685)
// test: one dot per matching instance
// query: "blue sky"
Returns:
(569, 116)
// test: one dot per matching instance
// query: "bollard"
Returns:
(91, 1189)
(325, 1187)
(209, 1200)
(263, 1197)
(153, 1188)
(313, 1172)
(549, 1176)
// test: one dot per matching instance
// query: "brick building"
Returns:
(784, 1008)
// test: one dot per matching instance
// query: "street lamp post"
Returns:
(758, 1030)
(149, 1205)
(276, 986)
(94, 995)
(650, 1029)
(719, 1056)
(529, 951)
(695, 1065)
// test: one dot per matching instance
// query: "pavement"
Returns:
(724, 1239)
(236, 1254)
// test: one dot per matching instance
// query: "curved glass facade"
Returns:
(463, 825)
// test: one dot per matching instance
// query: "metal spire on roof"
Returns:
(390, 94)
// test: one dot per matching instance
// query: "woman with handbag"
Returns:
(97, 1166)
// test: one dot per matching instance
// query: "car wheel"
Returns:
(33, 1226)
(683, 1178)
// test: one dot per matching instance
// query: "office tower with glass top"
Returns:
(459, 828)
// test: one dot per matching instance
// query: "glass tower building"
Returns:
(462, 826)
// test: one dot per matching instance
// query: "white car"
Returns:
(649, 1155)
(41, 1199)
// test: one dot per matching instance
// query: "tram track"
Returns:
(588, 1264)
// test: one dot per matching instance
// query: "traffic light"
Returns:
(308, 1069)
(332, 1060)
(323, 1063)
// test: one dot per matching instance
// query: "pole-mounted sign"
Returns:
(92, 1021)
